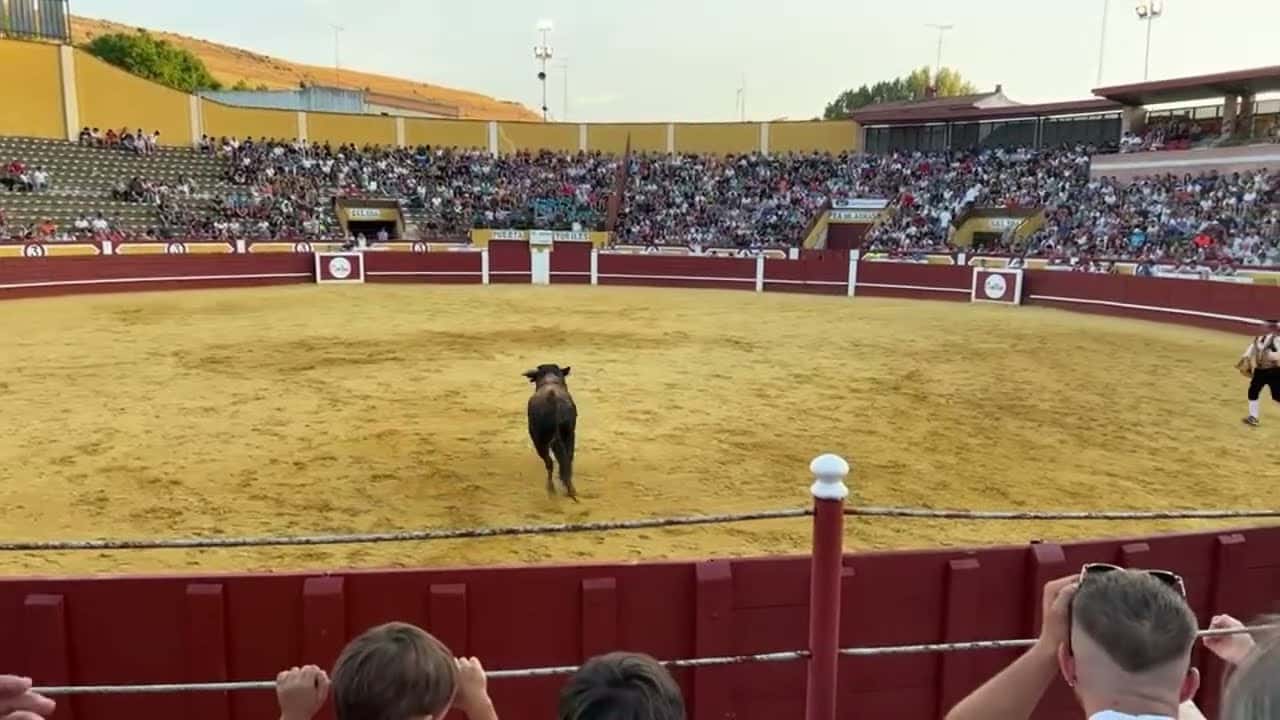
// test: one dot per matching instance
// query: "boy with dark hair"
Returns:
(394, 671)
(621, 686)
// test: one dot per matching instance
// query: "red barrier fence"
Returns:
(1218, 305)
(247, 627)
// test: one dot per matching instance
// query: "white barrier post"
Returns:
(759, 273)
(853, 272)
(829, 492)
(595, 266)
(484, 266)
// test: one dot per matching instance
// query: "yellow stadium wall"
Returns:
(515, 136)
(112, 98)
(228, 121)
(610, 138)
(718, 138)
(359, 130)
(31, 91)
(446, 133)
(835, 137)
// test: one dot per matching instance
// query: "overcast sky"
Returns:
(685, 59)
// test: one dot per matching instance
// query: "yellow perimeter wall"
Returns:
(611, 138)
(227, 121)
(112, 98)
(108, 97)
(516, 136)
(359, 130)
(30, 90)
(718, 138)
(446, 133)
(832, 136)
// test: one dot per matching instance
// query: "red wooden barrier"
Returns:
(571, 263)
(914, 280)
(671, 271)
(434, 267)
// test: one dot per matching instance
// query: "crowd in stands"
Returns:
(1122, 639)
(17, 176)
(138, 141)
(288, 190)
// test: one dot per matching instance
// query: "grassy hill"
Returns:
(230, 64)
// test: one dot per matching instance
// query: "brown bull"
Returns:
(553, 420)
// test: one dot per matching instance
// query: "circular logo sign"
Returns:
(33, 250)
(176, 248)
(302, 247)
(340, 268)
(995, 286)
(419, 247)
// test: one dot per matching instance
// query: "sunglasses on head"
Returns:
(1171, 579)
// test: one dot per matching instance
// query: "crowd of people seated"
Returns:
(1122, 639)
(288, 190)
(17, 176)
(138, 142)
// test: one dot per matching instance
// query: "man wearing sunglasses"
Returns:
(1120, 638)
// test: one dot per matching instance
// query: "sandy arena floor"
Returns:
(322, 409)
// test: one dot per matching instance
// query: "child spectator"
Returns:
(394, 670)
(621, 686)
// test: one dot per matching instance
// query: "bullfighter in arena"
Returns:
(1261, 363)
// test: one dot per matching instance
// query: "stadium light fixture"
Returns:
(1148, 11)
(542, 53)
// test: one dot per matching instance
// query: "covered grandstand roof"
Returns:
(1199, 87)
(964, 109)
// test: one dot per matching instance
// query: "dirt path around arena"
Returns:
(307, 409)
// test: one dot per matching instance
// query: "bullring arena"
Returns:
(308, 409)
(247, 418)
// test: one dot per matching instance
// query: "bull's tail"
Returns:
(562, 447)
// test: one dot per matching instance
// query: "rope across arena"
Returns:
(828, 512)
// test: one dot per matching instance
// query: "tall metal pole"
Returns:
(1102, 39)
(542, 53)
(1146, 67)
(337, 58)
(942, 29)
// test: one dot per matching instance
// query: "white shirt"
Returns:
(1113, 715)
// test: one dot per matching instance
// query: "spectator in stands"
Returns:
(394, 670)
(18, 702)
(1122, 640)
(621, 686)
(39, 179)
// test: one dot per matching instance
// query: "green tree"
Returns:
(154, 59)
(912, 86)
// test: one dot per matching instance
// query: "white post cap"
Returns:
(829, 472)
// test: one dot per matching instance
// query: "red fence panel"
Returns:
(1215, 305)
(38, 277)
(430, 267)
(820, 272)
(509, 262)
(571, 263)
(914, 280)
(673, 271)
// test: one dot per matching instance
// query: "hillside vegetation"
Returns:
(231, 65)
